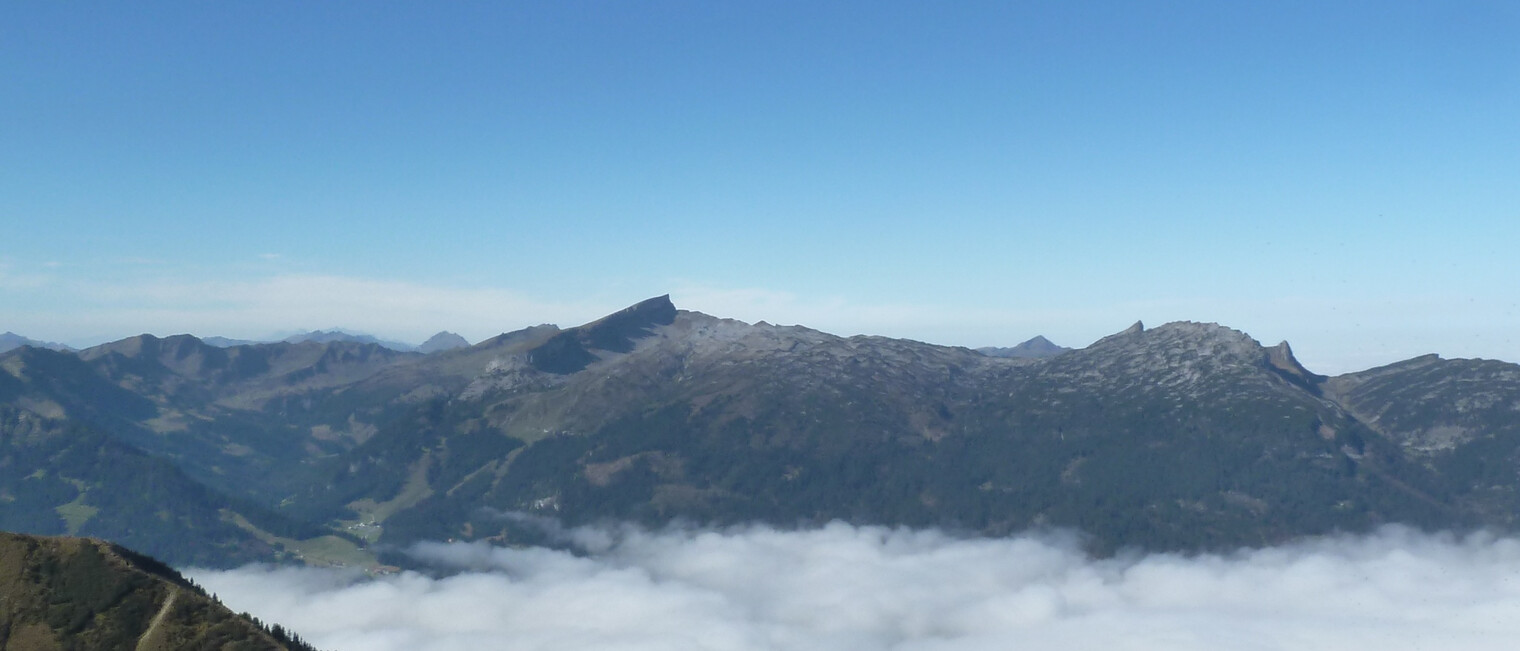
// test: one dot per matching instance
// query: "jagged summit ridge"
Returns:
(1281, 357)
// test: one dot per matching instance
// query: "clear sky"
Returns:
(1342, 175)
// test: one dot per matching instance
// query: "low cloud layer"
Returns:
(843, 587)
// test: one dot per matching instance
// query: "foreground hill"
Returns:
(79, 593)
(1183, 436)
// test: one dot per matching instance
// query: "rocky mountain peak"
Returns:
(1280, 357)
(617, 331)
(572, 350)
(1135, 329)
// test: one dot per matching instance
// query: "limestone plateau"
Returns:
(1185, 436)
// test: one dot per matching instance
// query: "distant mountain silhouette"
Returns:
(1037, 347)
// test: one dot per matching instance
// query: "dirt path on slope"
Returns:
(142, 642)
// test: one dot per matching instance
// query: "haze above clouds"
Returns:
(869, 588)
(1330, 336)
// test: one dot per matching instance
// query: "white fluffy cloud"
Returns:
(844, 587)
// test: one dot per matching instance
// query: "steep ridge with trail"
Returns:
(80, 593)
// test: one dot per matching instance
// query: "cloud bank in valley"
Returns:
(843, 587)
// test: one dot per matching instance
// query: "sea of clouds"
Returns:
(844, 587)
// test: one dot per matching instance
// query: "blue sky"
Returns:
(1339, 175)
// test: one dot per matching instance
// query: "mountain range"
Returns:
(1185, 436)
